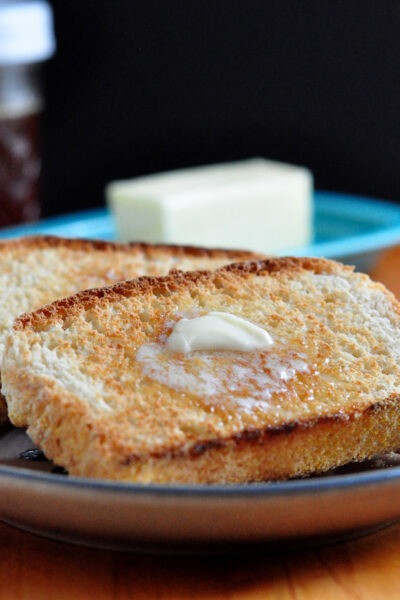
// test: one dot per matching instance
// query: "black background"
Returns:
(140, 85)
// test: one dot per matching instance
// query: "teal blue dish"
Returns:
(346, 227)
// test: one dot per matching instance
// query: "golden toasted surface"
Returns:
(37, 270)
(91, 377)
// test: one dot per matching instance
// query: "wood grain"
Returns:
(33, 568)
(387, 270)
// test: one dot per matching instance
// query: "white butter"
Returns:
(254, 204)
(217, 331)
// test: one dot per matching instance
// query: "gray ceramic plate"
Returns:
(194, 518)
(220, 517)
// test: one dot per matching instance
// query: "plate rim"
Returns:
(306, 486)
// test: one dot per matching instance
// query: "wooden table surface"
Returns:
(34, 568)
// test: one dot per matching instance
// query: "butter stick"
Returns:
(253, 204)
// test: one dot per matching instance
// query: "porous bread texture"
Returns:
(74, 374)
(37, 270)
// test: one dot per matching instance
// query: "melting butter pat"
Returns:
(253, 204)
(217, 331)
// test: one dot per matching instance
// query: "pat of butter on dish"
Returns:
(217, 331)
(253, 204)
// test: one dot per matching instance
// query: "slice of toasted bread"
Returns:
(37, 270)
(92, 379)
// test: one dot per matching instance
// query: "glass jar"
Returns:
(26, 40)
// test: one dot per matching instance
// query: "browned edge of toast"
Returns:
(256, 436)
(51, 241)
(175, 280)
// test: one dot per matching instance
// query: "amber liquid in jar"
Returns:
(20, 164)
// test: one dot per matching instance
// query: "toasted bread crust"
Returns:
(150, 250)
(348, 420)
(175, 281)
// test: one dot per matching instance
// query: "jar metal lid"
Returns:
(26, 31)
